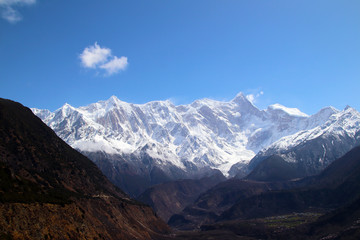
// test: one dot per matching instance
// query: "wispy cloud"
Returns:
(8, 9)
(252, 97)
(97, 57)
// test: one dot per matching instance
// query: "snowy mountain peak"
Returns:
(164, 103)
(328, 110)
(66, 106)
(347, 120)
(244, 106)
(349, 109)
(290, 111)
(206, 133)
(41, 113)
(113, 99)
(339, 125)
(100, 108)
(204, 102)
(66, 109)
(240, 98)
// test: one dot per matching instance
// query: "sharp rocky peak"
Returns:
(66, 109)
(349, 109)
(66, 105)
(329, 109)
(113, 101)
(346, 112)
(240, 98)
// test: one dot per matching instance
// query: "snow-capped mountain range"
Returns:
(206, 133)
(344, 123)
(314, 149)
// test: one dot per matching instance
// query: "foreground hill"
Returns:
(50, 191)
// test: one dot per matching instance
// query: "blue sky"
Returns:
(300, 53)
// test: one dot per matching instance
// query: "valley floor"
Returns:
(292, 226)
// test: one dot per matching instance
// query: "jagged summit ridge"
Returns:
(346, 122)
(310, 151)
(205, 133)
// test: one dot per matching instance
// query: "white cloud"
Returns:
(94, 55)
(97, 57)
(252, 97)
(11, 15)
(115, 65)
(8, 11)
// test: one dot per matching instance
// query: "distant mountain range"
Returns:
(139, 145)
(308, 152)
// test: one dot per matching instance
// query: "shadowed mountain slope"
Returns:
(275, 168)
(212, 203)
(50, 191)
(336, 186)
(172, 197)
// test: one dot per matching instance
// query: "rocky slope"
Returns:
(172, 197)
(50, 191)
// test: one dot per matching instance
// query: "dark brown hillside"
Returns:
(274, 169)
(211, 204)
(50, 191)
(336, 186)
(326, 206)
(172, 197)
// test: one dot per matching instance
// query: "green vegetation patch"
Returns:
(290, 221)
